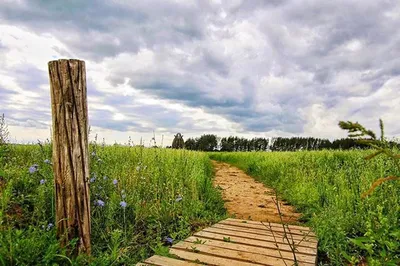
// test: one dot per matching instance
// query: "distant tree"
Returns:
(191, 144)
(178, 142)
(208, 142)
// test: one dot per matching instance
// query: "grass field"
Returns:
(326, 186)
(139, 197)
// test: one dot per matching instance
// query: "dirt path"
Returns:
(246, 198)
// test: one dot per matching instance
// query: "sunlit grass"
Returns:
(326, 186)
(139, 197)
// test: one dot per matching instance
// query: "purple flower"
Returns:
(179, 198)
(115, 181)
(47, 161)
(169, 240)
(100, 203)
(123, 204)
(42, 181)
(49, 226)
(33, 168)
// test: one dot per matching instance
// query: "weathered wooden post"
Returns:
(70, 152)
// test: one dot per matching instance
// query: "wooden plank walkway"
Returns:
(234, 242)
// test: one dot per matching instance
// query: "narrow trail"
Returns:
(246, 198)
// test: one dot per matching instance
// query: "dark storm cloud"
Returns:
(215, 56)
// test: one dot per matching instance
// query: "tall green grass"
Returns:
(326, 186)
(168, 193)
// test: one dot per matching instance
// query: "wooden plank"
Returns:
(264, 232)
(258, 243)
(291, 226)
(252, 249)
(276, 239)
(166, 261)
(235, 255)
(211, 260)
(267, 227)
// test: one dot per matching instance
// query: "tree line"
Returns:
(211, 142)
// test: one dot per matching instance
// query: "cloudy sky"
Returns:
(248, 68)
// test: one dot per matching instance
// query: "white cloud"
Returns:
(250, 68)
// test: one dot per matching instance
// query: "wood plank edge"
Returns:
(257, 253)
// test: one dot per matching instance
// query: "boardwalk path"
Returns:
(256, 235)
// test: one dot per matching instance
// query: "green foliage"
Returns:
(326, 186)
(168, 193)
(178, 142)
(207, 142)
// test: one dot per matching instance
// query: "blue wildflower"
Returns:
(123, 204)
(169, 240)
(49, 226)
(115, 181)
(100, 203)
(47, 161)
(33, 168)
(42, 181)
(92, 179)
(179, 198)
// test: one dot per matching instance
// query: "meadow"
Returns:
(141, 200)
(327, 187)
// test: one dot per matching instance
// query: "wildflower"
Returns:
(123, 204)
(94, 153)
(100, 203)
(49, 226)
(33, 168)
(105, 177)
(115, 181)
(179, 198)
(168, 240)
(42, 181)
(93, 178)
(137, 168)
(47, 161)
